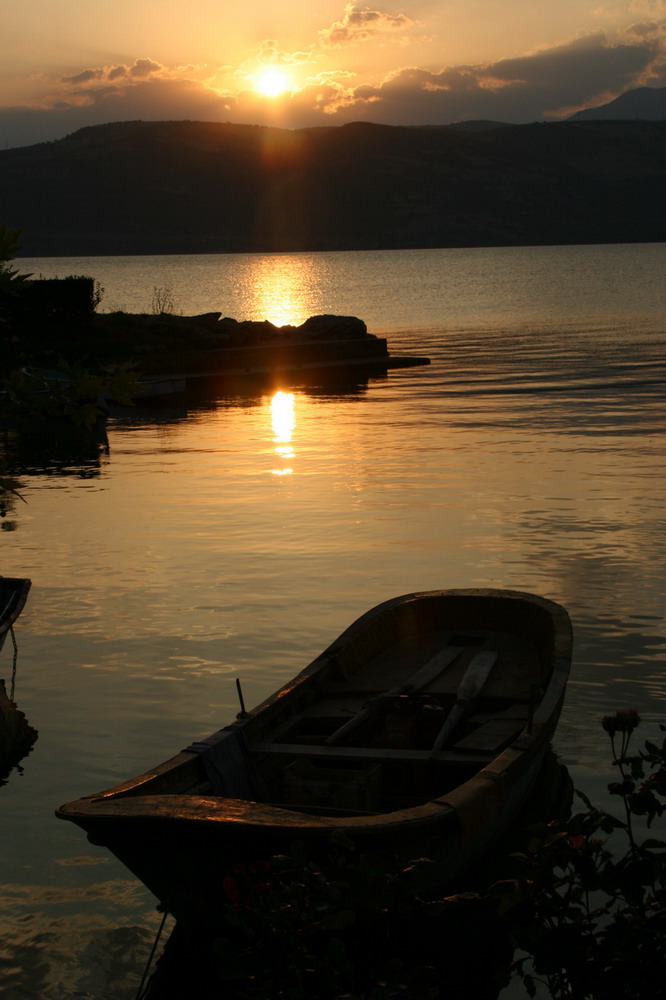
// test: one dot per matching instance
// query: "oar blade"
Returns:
(421, 679)
(431, 670)
(476, 675)
(472, 683)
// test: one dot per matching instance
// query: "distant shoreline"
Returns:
(230, 253)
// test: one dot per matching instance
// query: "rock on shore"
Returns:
(146, 334)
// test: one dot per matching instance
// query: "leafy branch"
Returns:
(589, 917)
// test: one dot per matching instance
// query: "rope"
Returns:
(14, 662)
(141, 992)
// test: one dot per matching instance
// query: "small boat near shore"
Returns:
(151, 387)
(13, 595)
(16, 734)
(142, 388)
(420, 731)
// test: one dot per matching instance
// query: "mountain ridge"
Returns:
(202, 187)
(640, 103)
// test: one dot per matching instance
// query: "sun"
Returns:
(272, 82)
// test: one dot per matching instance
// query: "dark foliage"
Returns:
(351, 928)
(589, 913)
(54, 300)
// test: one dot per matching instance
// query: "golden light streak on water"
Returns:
(281, 290)
(283, 420)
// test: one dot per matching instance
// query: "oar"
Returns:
(472, 683)
(426, 675)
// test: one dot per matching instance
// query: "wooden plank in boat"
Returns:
(517, 710)
(342, 706)
(416, 682)
(393, 666)
(365, 753)
(518, 667)
(490, 737)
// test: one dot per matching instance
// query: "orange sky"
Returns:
(80, 62)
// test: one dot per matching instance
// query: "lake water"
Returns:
(236, 536)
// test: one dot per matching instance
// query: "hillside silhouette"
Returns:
(646, 103)
(196, 187)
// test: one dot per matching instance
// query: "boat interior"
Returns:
(376, 724)
(351, 751)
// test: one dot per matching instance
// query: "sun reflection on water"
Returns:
(283, 421)
(282, 290)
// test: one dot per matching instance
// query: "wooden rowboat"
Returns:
(419, 731)
(16, 735)
(13, 595)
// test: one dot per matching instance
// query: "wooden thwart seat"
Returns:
(378, 754)
(491, 737)
(495, 731)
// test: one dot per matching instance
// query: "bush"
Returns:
(56, 300)
(12, 282)
(592, 921)
(348, 927)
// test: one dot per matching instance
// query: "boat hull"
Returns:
(13, 595)
(191, 851)
(180, 838)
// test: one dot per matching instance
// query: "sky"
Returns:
(74, 63)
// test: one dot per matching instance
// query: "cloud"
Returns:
(141, 68)
(152, 99)
(646, 29)
(358, 24)
(145, 67)
(652, 8)
(586, 63)
(85, 76)
(549, 83)
(269, 52)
